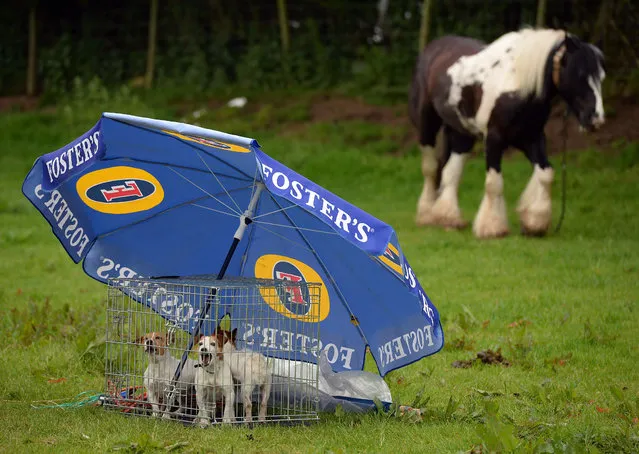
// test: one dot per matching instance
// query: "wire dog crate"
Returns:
(253, 357)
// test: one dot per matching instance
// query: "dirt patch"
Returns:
(339, 108)
(620, 125)
(485, 357)
(18, 103)
(334, 109)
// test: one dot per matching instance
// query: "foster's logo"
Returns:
(210, 143)
(120, 190)
(391, 259)
(294, 300)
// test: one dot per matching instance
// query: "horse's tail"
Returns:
(413, 102)
(416, 94)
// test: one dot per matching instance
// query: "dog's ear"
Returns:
(140, 340)
(233, 335)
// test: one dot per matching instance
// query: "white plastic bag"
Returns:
(354, 390)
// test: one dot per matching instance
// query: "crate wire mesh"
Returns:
(149, 328)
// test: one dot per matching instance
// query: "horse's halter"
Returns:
(556, 64)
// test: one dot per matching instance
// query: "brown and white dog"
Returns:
(213, 379)
(159, 374)
(250, 369)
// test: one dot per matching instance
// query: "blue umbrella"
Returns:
(135, 196)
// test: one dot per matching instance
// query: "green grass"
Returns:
(563, 309)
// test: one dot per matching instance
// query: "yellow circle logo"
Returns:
(297, 301)
(209, 142)
(120, 190)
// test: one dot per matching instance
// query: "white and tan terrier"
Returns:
(213, 380)
(251, 370)
(159, 375)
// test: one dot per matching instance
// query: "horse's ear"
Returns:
(572, 42)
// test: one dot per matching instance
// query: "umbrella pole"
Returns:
(245, 221)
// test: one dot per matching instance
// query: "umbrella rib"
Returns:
(239, 210)
(188, 202)
(285, 238)
(295, 227)
(254, 185)
(325, 268)
(214, 210)
(188, 144)
(206, 192)
(274, 211)
(220, 160)
(194, 169)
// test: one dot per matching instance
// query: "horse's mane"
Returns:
(531, 58)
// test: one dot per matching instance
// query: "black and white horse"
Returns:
(501, 93)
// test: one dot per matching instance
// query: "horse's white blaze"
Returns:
(446, 209)
(535, 204)
(429, 191)
(491, 220)
(514, 63)
(595, 85)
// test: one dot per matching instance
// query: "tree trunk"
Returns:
(31, 65)
(541, 13)
(281, 11)
(425, 24)
(150, 57)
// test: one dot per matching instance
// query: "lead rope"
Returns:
(564, 138)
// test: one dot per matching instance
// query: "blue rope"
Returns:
(80, 401)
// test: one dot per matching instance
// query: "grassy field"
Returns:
(563, 310)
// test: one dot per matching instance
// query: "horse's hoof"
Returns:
(423, 220)
(534, 225)
(488, 232)
(539, 233)
(492, 235)
(454, 224)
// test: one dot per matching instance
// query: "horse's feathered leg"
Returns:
(491, 220)
(446, 210)
(429, 190)
(535, 204)
(430, 124)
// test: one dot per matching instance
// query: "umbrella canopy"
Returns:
(135, 196)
